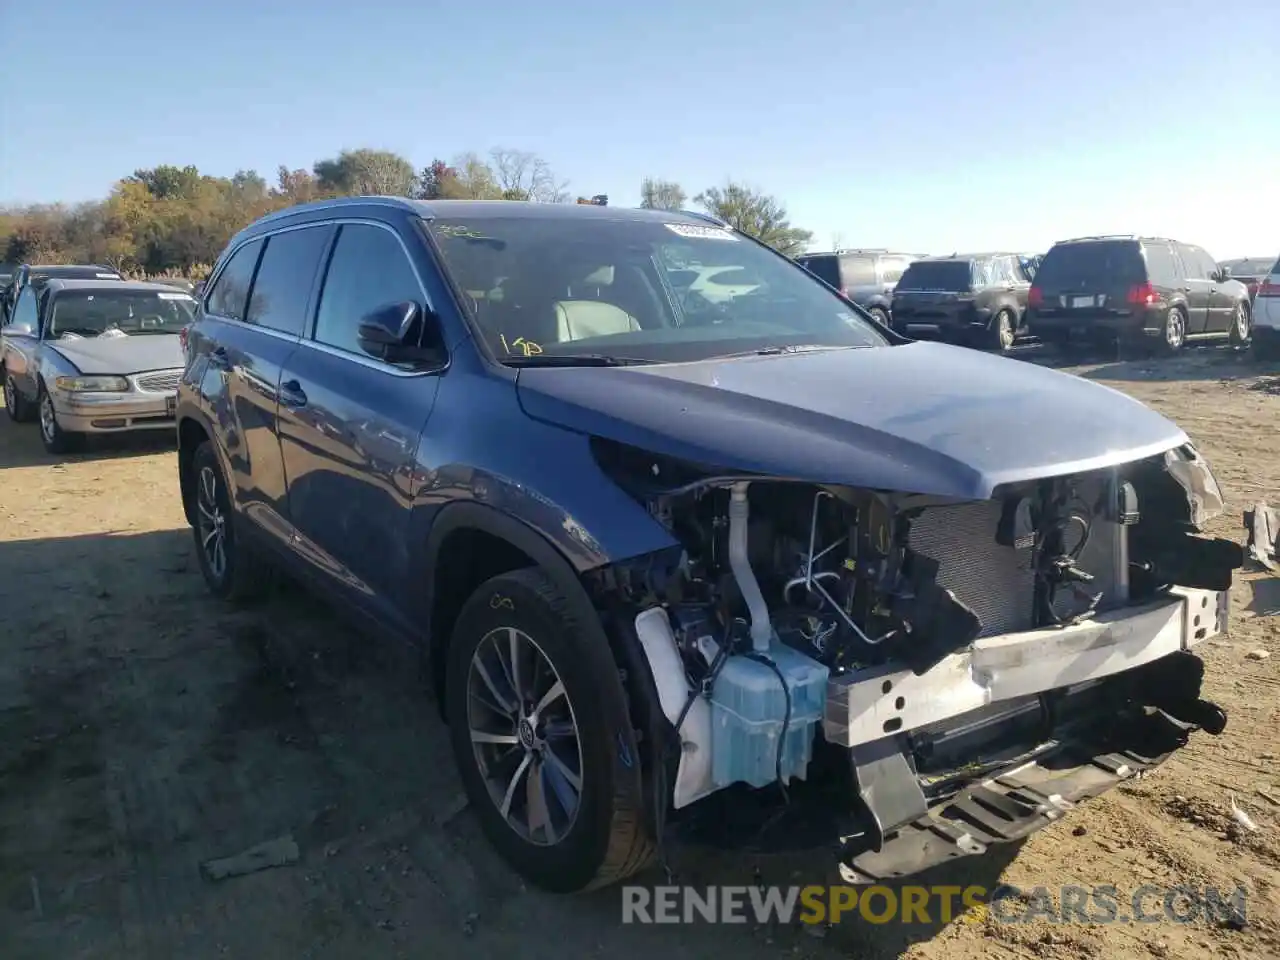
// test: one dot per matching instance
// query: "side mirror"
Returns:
(20, 330)
(1224, 274)
(401, 333)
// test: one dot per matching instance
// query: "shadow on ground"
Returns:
(20, 445)
(148, 728)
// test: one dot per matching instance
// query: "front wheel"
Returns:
(880, 315)
(1240, 325)
(56, 440)
(541, 735)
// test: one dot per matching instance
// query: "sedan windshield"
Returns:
(92, 314)
(643, 291)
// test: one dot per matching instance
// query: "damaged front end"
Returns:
(938, 675)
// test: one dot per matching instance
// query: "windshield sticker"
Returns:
(692, 232)
(457, 230)
(107, 276)
(175, 296)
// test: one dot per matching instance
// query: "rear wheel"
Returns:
(1241, 326)
(55, 439)
(880, 315)
(1173, 330)
(1003, 330)
(232, 569)
(15, 404)
(539, 725)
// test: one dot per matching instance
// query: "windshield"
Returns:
(640, 290)
(92, 314)
(948, 275)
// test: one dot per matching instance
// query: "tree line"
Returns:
(174, 221)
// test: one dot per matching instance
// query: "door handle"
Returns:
(292, 394)
(219, 357)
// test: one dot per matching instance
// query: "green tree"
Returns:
(658, 194)
(756, 214)
(367, 172)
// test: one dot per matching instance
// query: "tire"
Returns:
(1241, 326)
(1002, 331)
(1173, 331)
(15, 404)
(239, 573)
(598, 836)
(56, 440)
(881, 316)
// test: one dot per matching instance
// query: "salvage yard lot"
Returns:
(145, 728)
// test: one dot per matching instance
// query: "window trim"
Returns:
(212, 286)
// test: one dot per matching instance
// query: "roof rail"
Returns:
(403, 203)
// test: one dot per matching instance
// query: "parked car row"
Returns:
(1137, 290)
(92, 356)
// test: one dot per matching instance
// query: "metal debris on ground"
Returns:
(1257, 654)
(273, 853)
(1262, 522)
(1242, 818)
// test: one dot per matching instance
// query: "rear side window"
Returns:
(945, 275)
(231, 289)
(858, 271)
(826, 269)
(892, 270)
(1162, 269)
(1092, 262)
(369, 269)
(286, 278)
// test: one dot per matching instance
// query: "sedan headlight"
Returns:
(93, 384)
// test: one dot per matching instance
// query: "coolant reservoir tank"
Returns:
(748, 710)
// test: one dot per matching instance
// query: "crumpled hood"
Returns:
(920, 418)
(122, 355)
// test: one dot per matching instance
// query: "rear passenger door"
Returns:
(255, 312)
(349, 427)
(1199, 284)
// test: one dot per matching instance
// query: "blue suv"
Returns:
(671, 549)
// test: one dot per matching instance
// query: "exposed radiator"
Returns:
(997, 582)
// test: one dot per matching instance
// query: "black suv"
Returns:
(978, 299)
(867, 277)
(1137, 290)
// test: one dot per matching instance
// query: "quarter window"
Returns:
(286, 278)
(231, 289)
(369, 269)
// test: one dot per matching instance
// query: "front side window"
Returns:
(286, 277)
(231, 290)
(97, 313)
(636, 289)
(369, 269)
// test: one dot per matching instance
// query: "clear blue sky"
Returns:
(925, 126)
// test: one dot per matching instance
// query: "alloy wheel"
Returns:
(1241, 323)
(1174, 329)
(8, 394)
(524, 736)
(212, 523)
(1004, 330)
(48, 418)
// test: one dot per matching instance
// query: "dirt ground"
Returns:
(145, 728)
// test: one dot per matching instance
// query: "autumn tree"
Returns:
(521, 175)
(756, 214)
(658, 194)
(367, 172)
(436, 181)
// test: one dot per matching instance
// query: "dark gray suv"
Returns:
(867, 277)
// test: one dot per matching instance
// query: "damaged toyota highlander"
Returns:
(745, 567)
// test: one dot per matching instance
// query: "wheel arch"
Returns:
(191, 433)
(467, 544)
